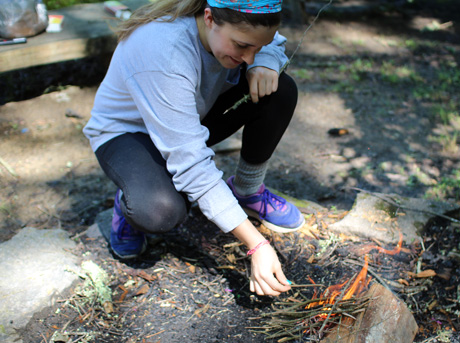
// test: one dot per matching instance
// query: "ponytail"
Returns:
(172, 9)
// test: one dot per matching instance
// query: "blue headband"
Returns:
(248, 6)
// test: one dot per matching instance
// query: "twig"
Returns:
(308, 285)
(394, 203)
(248, 96)
(150, 336)
(8, 167)
(371, 271)
(334, 306)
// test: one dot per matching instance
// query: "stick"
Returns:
(334, 306)
(248, 96)
(308, 285)
(8, 167)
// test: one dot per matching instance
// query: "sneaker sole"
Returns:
(130, 257)
(271, 226)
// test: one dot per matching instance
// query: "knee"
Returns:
(287, 89)
(159, 214)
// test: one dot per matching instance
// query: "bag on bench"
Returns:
(22, 18)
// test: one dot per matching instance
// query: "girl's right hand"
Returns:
(267, 277)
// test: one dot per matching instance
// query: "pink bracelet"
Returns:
(253, 250)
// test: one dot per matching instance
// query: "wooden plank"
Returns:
(87, 31)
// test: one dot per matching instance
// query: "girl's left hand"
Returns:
(262, 81)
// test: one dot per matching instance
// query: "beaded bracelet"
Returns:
(253, 250)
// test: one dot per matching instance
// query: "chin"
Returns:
(230, 63)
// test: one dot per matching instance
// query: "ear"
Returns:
(208, 19)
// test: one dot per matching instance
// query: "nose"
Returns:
(248, 57)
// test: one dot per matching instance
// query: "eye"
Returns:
(241, 46)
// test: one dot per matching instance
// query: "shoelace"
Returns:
(274, 200)
(123, 228)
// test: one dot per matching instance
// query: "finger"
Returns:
(275, 284)
(267, 289)
(282, 278)
(254, 90)
(275, 84)
(262, 88)
(259, 290)
(252, 286)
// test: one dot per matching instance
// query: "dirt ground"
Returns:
(391, 81)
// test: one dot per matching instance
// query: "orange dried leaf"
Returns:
(426, 273)
(403, 282)
(146, 276)
(144, 289)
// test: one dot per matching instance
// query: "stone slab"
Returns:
(373, 217)
(34, 269)
(386, 319)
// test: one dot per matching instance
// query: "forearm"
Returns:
(248, 234)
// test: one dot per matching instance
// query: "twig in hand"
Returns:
(248, 96)
(308, 285)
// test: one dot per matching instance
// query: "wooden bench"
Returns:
(87, 31)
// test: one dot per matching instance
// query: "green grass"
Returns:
(447, 188)
(56, 4)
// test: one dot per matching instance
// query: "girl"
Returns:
(178, 66)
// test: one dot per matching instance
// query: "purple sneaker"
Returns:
(272, 210)
(126, 242)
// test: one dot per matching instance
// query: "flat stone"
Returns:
(373, 217)
(35, 270)
(103, 223)
(386, 319)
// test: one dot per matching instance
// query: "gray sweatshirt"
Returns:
(162, 82)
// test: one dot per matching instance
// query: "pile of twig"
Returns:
(295, 318)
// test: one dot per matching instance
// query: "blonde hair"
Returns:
(170, 10)
(158, 9)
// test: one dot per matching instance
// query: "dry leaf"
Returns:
(144, 289)
(199, 311)
(231, 258)
(403, 282)
(146, 276)
(108, 307)
(432, 305)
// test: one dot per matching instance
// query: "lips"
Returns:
(235, 61)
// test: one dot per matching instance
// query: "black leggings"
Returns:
(150, 202)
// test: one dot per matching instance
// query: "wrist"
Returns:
(248, 234)
(261, 244)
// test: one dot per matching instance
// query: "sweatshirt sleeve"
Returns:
(272, 56)
(167, 106)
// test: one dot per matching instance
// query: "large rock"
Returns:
(386, 319)
(373, 217)
(34, 269)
